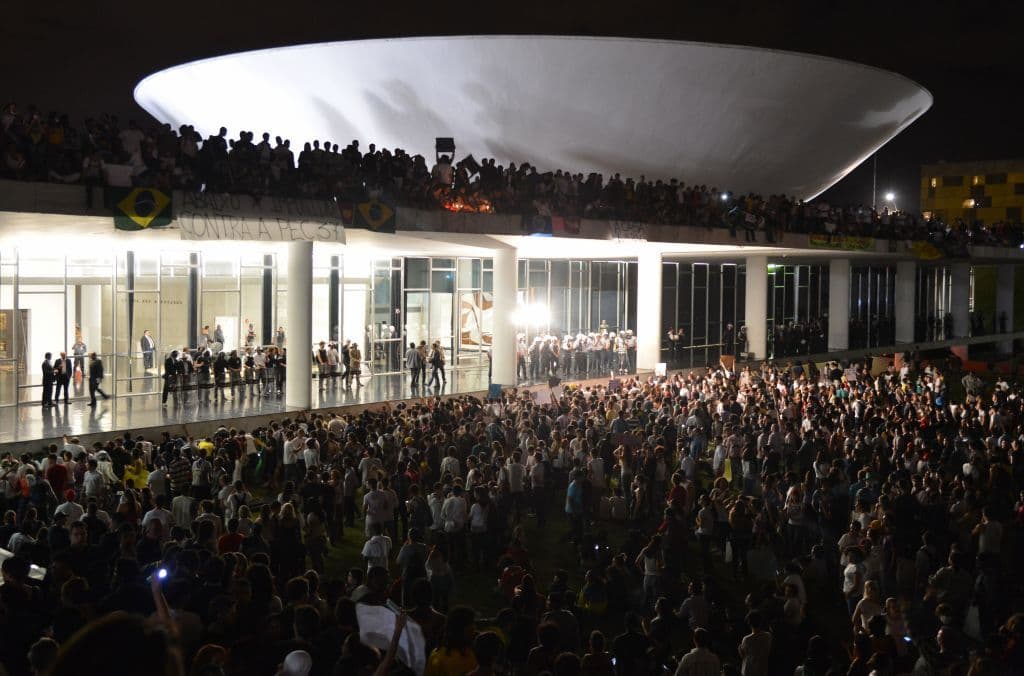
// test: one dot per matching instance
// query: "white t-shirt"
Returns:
(72, 509)
(453, 514)
(514, 471)
(377, 551)
(375, 504)
(93, 483)
(851, 573)
(477, 518)
(161, 515)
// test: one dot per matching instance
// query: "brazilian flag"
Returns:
(374, 215)
(139, 208)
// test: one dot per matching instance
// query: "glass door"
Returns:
(384, 321)
(470, 344)
(41, 319)
(9, 362)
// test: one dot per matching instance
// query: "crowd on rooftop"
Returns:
(874, 523)
(37, 146)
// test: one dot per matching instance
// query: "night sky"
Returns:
(75, 58)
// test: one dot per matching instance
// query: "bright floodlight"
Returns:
(890, 196)
(531, 314)
(739, 118)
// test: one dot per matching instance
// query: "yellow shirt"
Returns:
(445, 662)
(137, 474)
(206, 447)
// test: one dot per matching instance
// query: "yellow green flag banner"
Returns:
(925, 251)
(139, 208)
(374, 215)
(844, 242)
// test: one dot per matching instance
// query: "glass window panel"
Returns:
(559, 273)
(442, 281)
(686, 301)
(700, 275)
(669, 272)
(441, 319)
(252, 305)
(442, 263)
(466, 273)
(321, 313)
(790, 295)
(488, 285)
(417, 323)
(471, 333)
(417, 273)
(538, 265)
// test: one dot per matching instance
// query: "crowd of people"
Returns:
(48, 147)
(874, 522)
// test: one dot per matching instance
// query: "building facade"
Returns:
(986, 192)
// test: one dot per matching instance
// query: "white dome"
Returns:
(737, 118)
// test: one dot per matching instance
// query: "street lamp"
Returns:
(890, 196)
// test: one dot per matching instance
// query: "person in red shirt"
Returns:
(232, 540)
(57, 475)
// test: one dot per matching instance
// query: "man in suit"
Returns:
(148, 348)
(62, 370)
(171, 371)
(95, 378)
(47, 380)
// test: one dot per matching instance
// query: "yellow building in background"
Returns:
(987, 192)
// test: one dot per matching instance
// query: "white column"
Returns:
(755, 311)
(648, 309)
(299, 325)
(960, 299)
(906, 305)
(1005, 283)
(503, 338)
(839, 304)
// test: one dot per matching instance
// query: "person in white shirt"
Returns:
(369, 467)
(454, 513)
(160, 513)
(513, 473)
(450, 464)
(700, 661)
(376, 504)
(311, 455)
(69, 507)
(157, 481)
(92, 482)
(377, 550)
(73, 447)
(291, 452)
(435, 501)
(181, 510)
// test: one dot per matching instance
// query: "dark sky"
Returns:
(85, 57)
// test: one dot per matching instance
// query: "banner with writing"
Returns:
(844, 242)
(206, 216)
